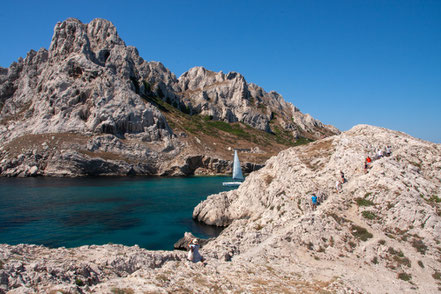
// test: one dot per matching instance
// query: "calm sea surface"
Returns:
(151, 212)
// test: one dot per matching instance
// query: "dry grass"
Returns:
(35, 141)
(216, 136)
(16, 116)
(268, 179)
(104, 155)
(122, 291)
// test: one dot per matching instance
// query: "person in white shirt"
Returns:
(193, 254)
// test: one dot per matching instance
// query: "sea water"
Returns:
(151, 212)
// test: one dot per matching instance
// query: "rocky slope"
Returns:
(91, 105)
(380, 234)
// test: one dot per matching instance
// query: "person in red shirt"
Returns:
(366, 164)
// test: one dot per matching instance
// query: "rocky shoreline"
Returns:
(380, 234)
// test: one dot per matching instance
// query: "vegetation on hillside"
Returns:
(182, 121)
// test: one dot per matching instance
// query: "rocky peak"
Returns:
(90, 82)
(70, 36)
(103, 35)
(95, 40)
(230, 98)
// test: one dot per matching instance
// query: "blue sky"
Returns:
(344, 62)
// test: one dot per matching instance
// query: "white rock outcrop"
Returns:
(380, 234)
(90, 89)
(230, 98)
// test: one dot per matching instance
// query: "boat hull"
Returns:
(231, 184)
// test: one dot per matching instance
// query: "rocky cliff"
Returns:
(91, 105)
(379, 234)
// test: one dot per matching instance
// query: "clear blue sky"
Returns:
(344, 62)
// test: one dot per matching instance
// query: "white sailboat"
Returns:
(237, 172)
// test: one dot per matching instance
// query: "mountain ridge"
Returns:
(90, 83)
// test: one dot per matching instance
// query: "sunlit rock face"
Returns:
(95, 97)
(380, 234)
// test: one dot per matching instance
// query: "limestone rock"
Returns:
(384, 226)
(230, 98)
(182, 244)
(380, 234)
(93, 97)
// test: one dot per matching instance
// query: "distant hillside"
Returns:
(90, 105)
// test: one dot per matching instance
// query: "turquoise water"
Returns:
(151, 212)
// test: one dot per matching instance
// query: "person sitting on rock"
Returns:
(193, 253)
(314, 202)
(379, 153)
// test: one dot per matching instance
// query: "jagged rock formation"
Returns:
(230, 98)
(91, 105)
(380, 234)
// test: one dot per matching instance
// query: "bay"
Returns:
(151, 212)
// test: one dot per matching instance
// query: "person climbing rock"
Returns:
(368, 160)
(193, 253)
(342, 176)
(388, 150)
(338, 186)
(367, 164)
(314, 202)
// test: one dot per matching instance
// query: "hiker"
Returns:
(314, 202)
(323, 196)
(388, 151)
(342, 175)
(365, 166)
(338, 186)
(193, 254)
(379, 153)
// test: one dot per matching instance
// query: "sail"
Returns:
(237, 171)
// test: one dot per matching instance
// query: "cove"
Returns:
(151, 212)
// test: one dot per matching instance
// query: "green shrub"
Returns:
(369, 215)
(147, 86)
(402, 261)
(360, 233)
(420, 263)
(363, 202)
(79, 282)
(437, 275)
(419, 245)
(404, 276)
(435, 198)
